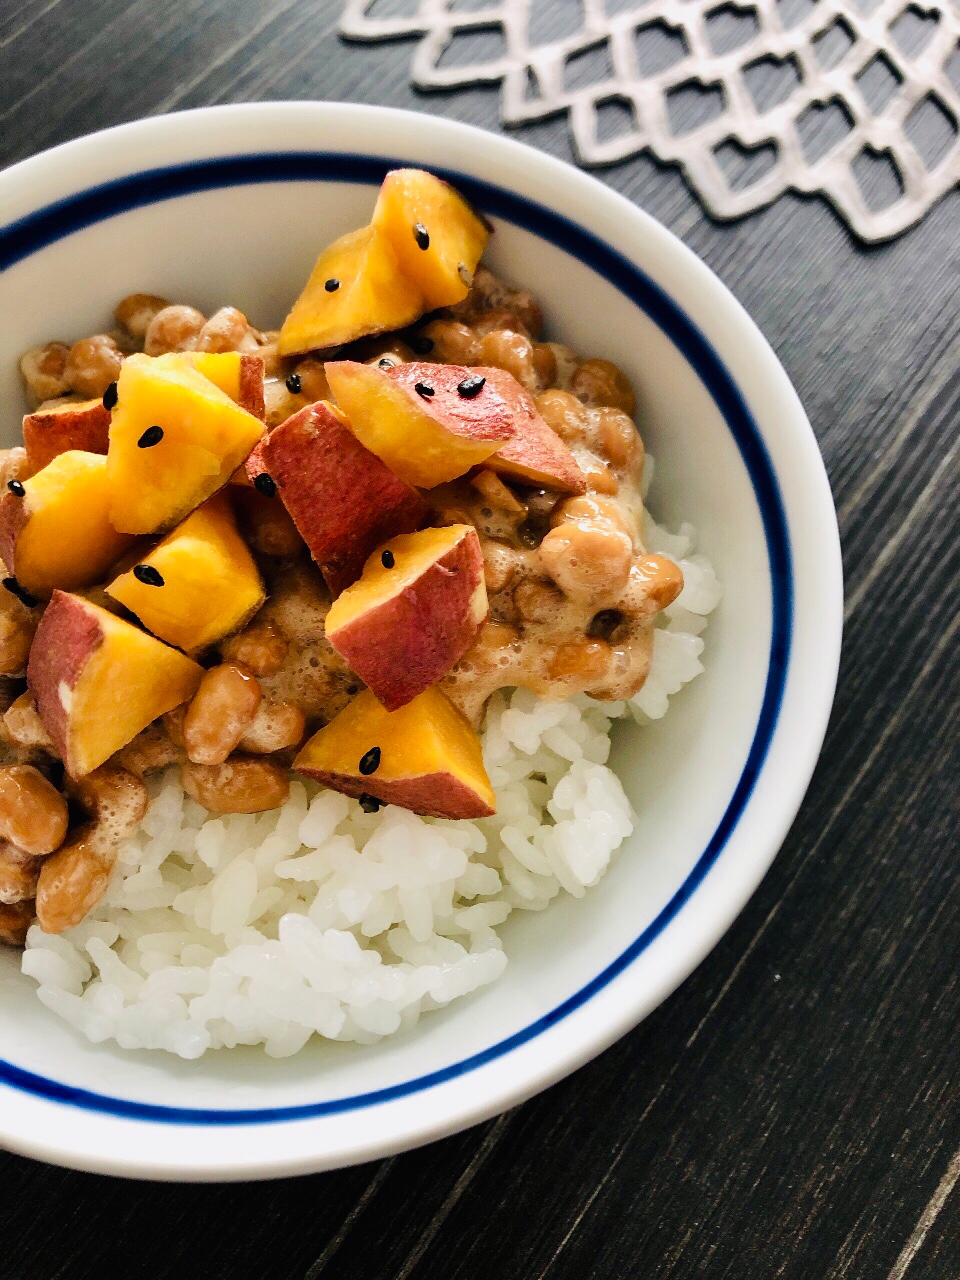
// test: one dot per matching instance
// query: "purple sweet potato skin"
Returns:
(67, 637)
(484, 416)
(344, 501)
(13, 516)
(255, 465)
(535, 450)
(436, 795)
(50, 432)
(251, 386)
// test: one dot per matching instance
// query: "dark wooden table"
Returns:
(793, 1110)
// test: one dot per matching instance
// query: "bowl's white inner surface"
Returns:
(253, 247)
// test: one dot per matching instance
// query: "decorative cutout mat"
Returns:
(816, 96)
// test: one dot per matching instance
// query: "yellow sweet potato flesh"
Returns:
(237, 375)
(205, 438)
(430, 756)
(371, 296)
(211, 585)
(59, 533)
(413, 202)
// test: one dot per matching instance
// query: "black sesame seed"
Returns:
(264, 484)
(16, 488)
(331, 285)
(148, 575)
(370, 804)
(15, 589)
(387, 559)
(385, 363)
(422, 345)
(152, 436)
(293, 384)
(471, 387)
(110, 396)
(421, 235)
(422, 389)
(352, 689)
(370, 762)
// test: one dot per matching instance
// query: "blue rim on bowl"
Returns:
(47, 225)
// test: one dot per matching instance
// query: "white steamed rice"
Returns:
(319, 918)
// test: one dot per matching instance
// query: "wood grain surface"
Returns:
(793, 1110)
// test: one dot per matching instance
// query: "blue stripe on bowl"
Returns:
(27, 236)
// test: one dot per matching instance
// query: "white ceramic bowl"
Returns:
(231, 205)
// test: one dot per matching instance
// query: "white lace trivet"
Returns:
(888, 77)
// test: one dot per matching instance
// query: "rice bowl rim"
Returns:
(220, 147)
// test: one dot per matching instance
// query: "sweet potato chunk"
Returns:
(428, 422)
(355, 288)
(52, 431)
(425, 757)
(98, 681)
(175, 439)
(237, 375)
(415, 611)
(437, 237)
(204, 583)
(55, 531)
(535, 454)
(343, 500)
